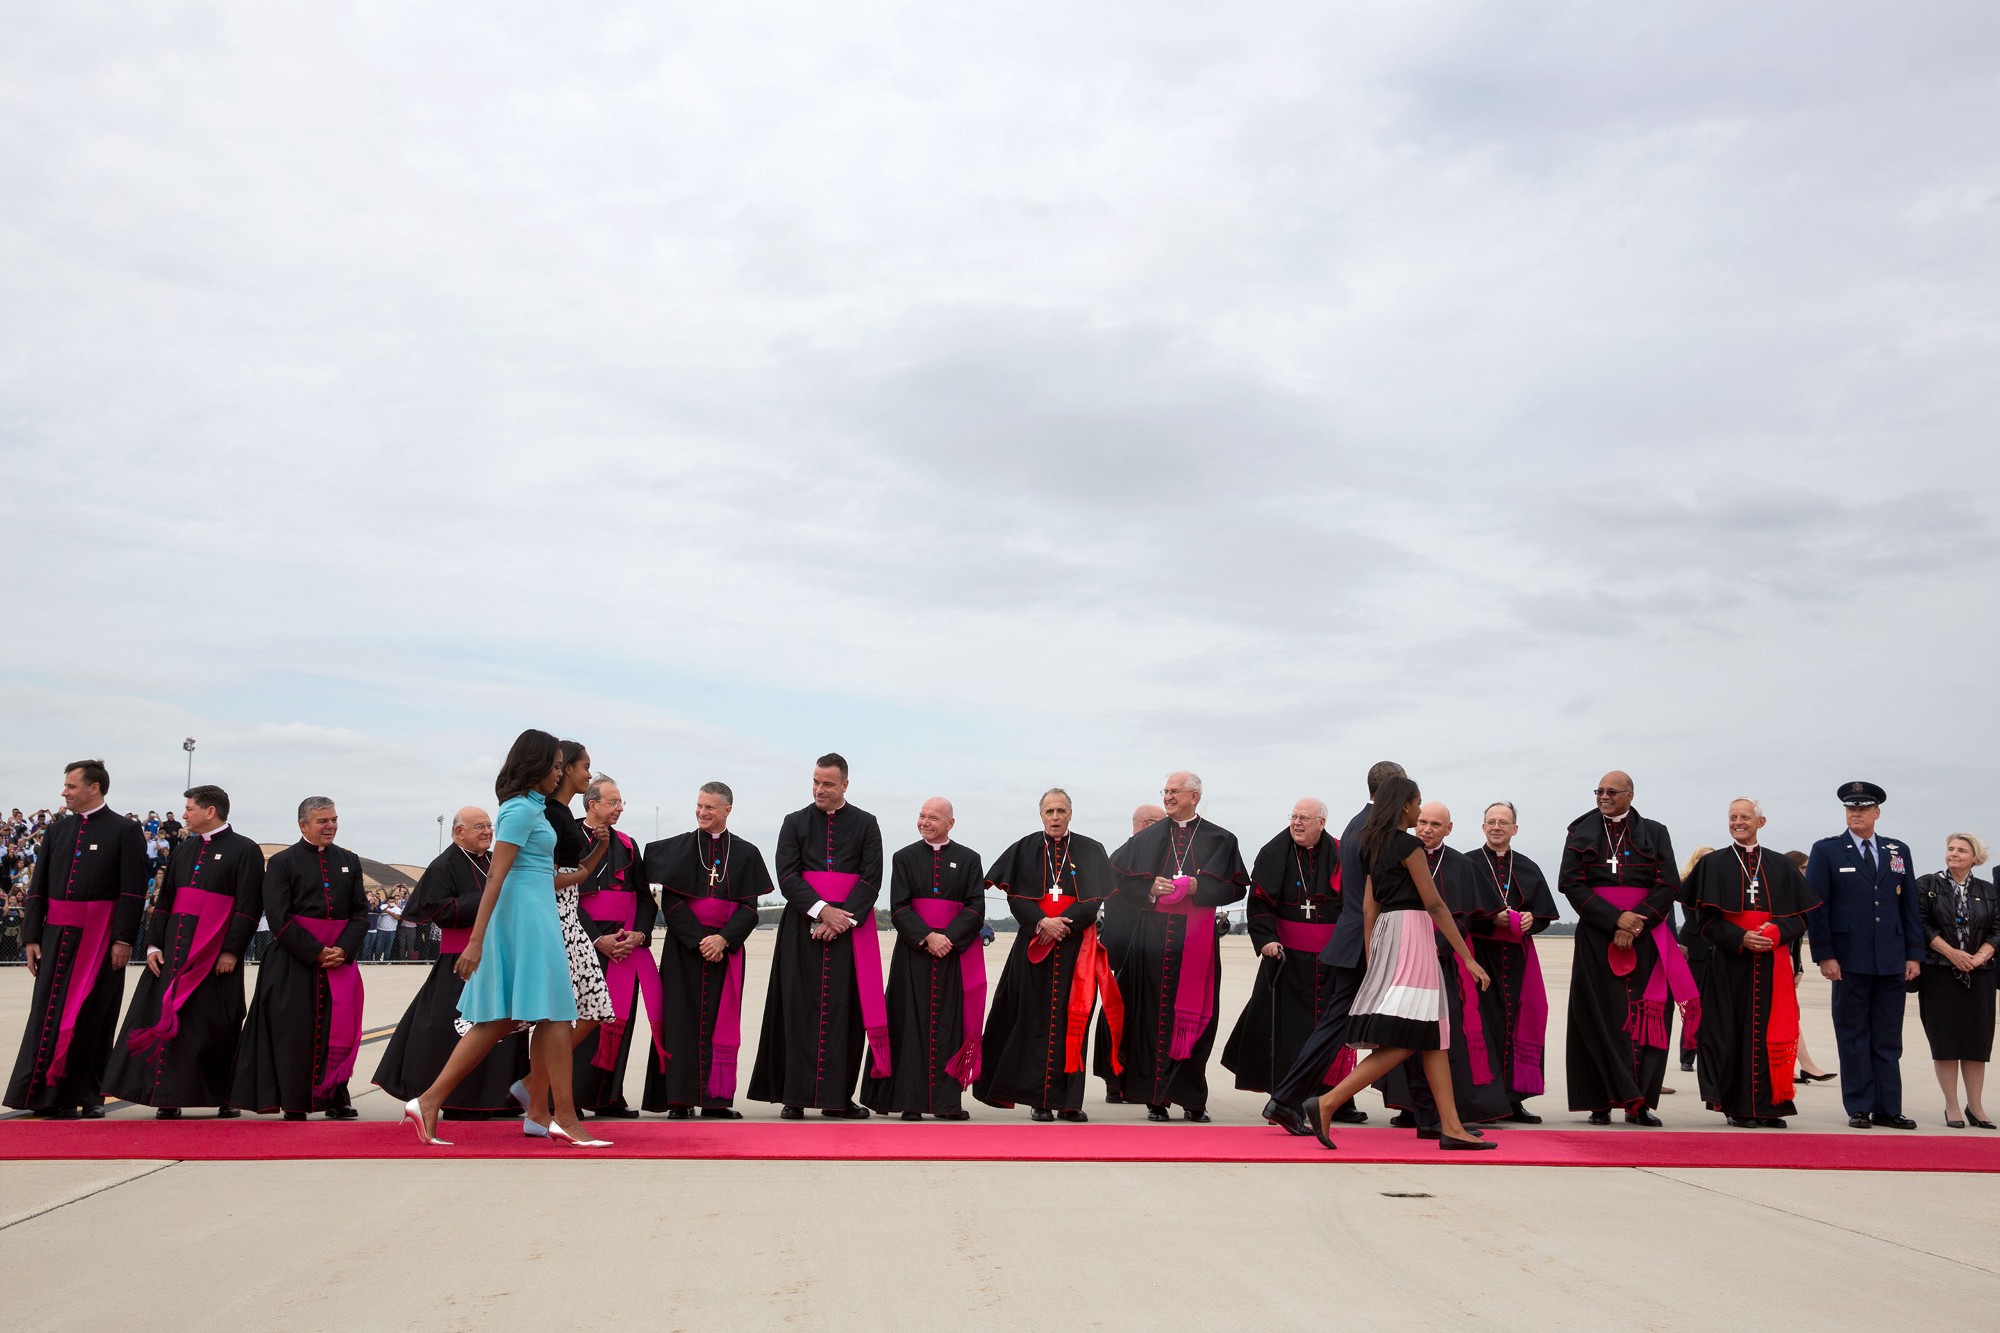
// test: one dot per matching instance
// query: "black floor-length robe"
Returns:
(1518, 885)
(85, 859)
(1150, 976)
(1746, 1065)
(810, 1050)
(693, 869)
(447, 896)
(1035, 1017)
(619, 874)
(1297, 891)
(1616, 1048)
(926, 995)
(193, 1067)
(283, 1058)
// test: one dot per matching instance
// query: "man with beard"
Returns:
(1515, 1008)
(178, 1047)
(1295, 892)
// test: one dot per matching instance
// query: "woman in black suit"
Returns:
(1961, 918)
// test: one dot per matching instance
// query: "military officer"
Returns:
(1867, 941)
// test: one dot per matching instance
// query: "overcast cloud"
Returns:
(1005, 395)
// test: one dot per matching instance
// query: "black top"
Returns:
(1395, 891)
(1937, 900)
(572, 843)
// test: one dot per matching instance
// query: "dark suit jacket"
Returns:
(1870, 927)
(1345, 948)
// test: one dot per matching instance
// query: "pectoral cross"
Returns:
(714, 875)
(1309, 907)
(1753, 893)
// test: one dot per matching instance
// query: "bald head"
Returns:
(1146, 816)
(1614, 794)
(934, 821)
(1308, 821)
(1433, 824)
(472, 829)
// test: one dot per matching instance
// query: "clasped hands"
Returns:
(1630, 926)
(832, 924)
(619, 943)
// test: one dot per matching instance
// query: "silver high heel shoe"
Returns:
(560, 1134)
(414, 1113)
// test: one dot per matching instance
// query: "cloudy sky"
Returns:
(1005, 395)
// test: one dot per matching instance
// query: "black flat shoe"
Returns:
(720, 1113)
(792, 1113)
(1041, 1113)
(1949, 1123)
(1893, 1121)
(1194, 1114)
(847, 1112)
(1311, 1110)
(1285, 1117)
(1521, 1115)
(617, 1113)
(1738, 1122)
(913, 1115)
(1600, 1117)
(1350, 1114)
(226, 1113)
(1860, 1122)
(1074, 1117)
(954, 1115)
(1646, 1118)
(680, 1113)
(1436, 1135)
(1975, 1121)
(1157, 1113)
(174, 1113)
(1465, 1145)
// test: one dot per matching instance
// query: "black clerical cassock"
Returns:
(1748, 1041)
(304, 1026)
(87, 893)
(447, 896)
(935, 1005)
(825, 996)
(1035, 1033)
(615, 897)
(1478, 1083)
(709, 886)
(1617, 1042)
(1294, 903)
(1515, 1008)
(178, 1045)
(1172, 969)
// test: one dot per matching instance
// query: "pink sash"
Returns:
(209, 911)
(728, 1037)
(1531, 1023)
(637, 968)
(453, 939)
(833, 886)
(937, 913)
(1646, 1024)
(1305, 936)
(343, 1029)
(94, 920)
(1194, 993)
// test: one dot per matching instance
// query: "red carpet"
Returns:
(252, 1139)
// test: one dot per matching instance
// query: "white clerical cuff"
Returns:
(151, 950)
(816, 909)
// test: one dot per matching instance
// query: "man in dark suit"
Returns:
(1867, 940)
(1308, 1074)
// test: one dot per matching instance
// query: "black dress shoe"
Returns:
(1041, 1113)
(1739, 1122)
(342, 1113)
(295, 1115)
(913, 1115)
(1771, 1122)
(954, 1115)
(1196, 1114)
(1975, 1121)
(62, 1113)
(720, 1113)
(1157, 1112)
(226, 1113)
(792, 1113)
(1646, 1118)
(1350, 1114)
(1804, 1077)
(1600, 1117)
(1285, 1117)
(1403, 1120)
(680, 1113)
(1465, 1145)
(847, 1112)
(1893, 1121)
(1079, 1118)
(91, 1112)
(167, 1113)
(1114, 1097)
(1949, 1123)
(1859, 1122)
(1521, 1115)
(620, 1112)
(1687, 1065)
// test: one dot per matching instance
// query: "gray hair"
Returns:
(1319, 806)
(1512, 813)
(1752, 802)
(595, 791)
(312, 805)
(1193, 783)
(1055, 791)
(720, 789)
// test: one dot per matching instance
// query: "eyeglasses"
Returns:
(1176, 791)
(1610, 791)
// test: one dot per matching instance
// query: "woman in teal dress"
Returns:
(515, 967)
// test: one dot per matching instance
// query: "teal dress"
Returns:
(523, 969)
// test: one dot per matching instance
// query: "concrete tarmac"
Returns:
(486, 1244)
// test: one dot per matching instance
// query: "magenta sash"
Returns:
(937, 913)
(637, 968)
(1531, 1023)
(209, 911)
(453, 939)
(94, 920)
(728, 1038)
(1646, 1023)
(833, 886)
(1305, 936)
(1194, 993)
(1475, 1026)
(343, 1028)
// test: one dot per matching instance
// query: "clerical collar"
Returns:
(1184, 823)
(1430, 850)
(1749, 846)
(836, 810)
(219, 828)
(1618, 819)
(97, 809)
(937, 846)
(1491, 850)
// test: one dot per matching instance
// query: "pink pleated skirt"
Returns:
(1401, 1000)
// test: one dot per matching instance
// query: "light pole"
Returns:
(188, 745)
(440, 833)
